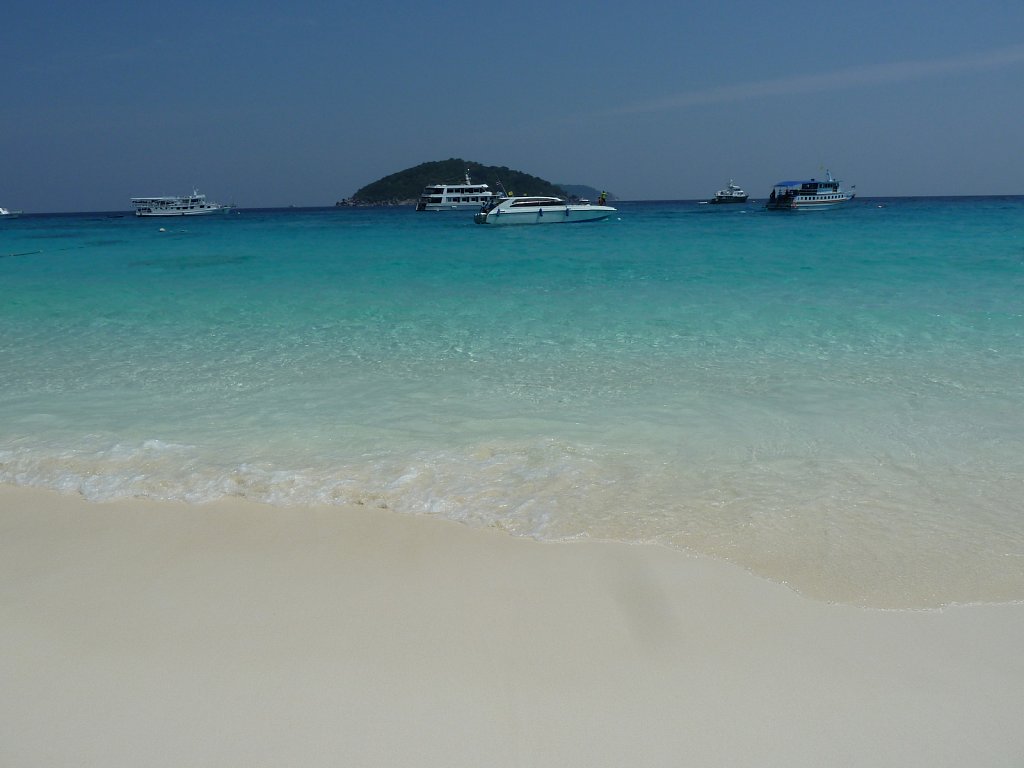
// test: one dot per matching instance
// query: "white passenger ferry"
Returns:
(185, 205)
(808, 195)
(455, 197)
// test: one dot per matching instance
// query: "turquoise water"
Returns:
(833, 400)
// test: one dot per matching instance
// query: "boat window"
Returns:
(533, 201)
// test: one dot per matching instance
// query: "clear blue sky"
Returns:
(270, 104)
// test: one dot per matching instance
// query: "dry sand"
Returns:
(140, 633)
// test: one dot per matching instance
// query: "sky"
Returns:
(266, 104)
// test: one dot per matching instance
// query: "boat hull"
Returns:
(421, 206)
(807, 204)
(195, 212)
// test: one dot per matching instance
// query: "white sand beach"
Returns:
(139, 633)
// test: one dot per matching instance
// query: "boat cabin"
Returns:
(449, 195)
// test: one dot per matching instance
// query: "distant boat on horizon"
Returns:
(174, 205)
(808, 195)
(455, 197)
(7, 214)
(731, 194)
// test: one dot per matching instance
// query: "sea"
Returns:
(831, 400)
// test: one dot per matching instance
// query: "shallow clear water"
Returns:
(832, 399)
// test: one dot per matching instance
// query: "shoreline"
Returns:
(233, 633)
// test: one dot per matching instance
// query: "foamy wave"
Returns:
(892, 533)
(539, 490)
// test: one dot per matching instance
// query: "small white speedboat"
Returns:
(540, 210)
(6, 214)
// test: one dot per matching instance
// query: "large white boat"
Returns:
(185, 205)
(808, 195)
(6, 214)
(540, 210)
(731, 194)
(455, 197)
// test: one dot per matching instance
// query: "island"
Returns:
(405, 187)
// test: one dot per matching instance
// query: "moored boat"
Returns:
(808, 195)
(731, 194)
(540, 210)
(174, 205)
(454, 197)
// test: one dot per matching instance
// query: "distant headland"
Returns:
(404, 187)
